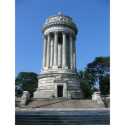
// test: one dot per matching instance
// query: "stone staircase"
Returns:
(61, 119)
(61, 103)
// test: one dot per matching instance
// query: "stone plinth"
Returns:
(96, 97)
(25, 98)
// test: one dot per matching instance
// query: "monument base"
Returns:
(42, 94)
(78, 94)
(58, 83)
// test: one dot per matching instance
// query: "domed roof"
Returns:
(60, 20)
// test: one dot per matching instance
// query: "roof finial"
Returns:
(59, 13)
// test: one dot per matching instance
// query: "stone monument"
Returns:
(59, 77)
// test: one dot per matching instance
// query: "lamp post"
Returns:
(98, 81)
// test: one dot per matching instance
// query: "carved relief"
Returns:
(60, 76)
(59, 18)
(59, 79)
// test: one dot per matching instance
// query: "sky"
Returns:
(92, 18)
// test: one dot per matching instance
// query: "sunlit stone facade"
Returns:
(59, 76)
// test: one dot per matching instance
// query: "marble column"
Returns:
(74, 52)
(59, 54)
(55, 49)
(48, 51)
(67, 52)
(44, 52)
(71, 50)
(52, 50)
(64, 61)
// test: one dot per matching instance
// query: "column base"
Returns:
(46, 68)
(64, 67)
(72, 68)
(54, 67)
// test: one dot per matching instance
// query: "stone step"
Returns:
(85, 117)
(63, 118)
(41, 114)
(104, 123)
(60, 106)
(62, 103)
(63, 121)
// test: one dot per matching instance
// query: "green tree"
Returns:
(26, 81)
(105, 84)
(93, 89)
(101, 66)
(16, 89)
(19, 91)
(86, 82)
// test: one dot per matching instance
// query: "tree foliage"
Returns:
(101, 66)
(105, 84)
(93, 89)
(88, 77)
(16, 89)
(86, 81)
(26, 81)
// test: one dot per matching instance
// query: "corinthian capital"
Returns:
(48, 34)
(70, 34)
(44, 37)
(74, 37)
(63, 32)
(56, 33)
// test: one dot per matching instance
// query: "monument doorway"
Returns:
(60, 91)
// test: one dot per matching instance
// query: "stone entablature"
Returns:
(59, 29)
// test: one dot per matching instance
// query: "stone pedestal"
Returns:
(109, 96)
(96, 97)
(25, 98)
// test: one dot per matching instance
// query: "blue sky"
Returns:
(92, 17)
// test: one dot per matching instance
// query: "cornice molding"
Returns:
(65, 24)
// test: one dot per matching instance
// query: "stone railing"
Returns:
(106, 100)
(25, 98)
(109, 96)
(105, 97)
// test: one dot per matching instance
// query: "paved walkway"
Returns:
(62, 111)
